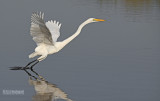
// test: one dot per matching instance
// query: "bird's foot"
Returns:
(19, 68)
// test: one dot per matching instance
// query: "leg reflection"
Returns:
(29, 74)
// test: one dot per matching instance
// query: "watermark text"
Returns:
(12, 92)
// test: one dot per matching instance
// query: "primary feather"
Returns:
(42, 32)
(54, 28)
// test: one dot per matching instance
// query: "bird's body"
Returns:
(44, 50)
(45, 34)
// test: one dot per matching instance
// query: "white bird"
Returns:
(45, 34)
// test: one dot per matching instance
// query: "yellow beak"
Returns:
(98, 20)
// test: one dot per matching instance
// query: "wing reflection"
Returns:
(46, 91)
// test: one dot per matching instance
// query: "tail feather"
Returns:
(33, 55)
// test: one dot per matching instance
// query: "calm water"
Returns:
(117, 60)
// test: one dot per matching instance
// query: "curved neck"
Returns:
(66, 41)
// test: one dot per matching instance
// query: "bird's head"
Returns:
(90, 20)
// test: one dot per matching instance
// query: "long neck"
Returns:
(66, 41)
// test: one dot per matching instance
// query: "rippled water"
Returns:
(117, 60)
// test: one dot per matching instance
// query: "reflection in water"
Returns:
(133, 10)
(46, 91)
(139, 9)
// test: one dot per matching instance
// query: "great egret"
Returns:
(45, 34)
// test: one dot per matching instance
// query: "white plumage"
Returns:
(54, 28)
(45, 34)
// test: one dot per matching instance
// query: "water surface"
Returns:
(117, 60)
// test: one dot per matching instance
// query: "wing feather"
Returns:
(39, 31)
(54, 28)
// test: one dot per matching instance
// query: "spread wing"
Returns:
(54, 28)
(39, 30)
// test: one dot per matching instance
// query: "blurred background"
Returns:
(116, 60)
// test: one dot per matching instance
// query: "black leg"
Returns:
(32, 68)
(36, 72)
(34, 64)
(26, 67)
(31, 62)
